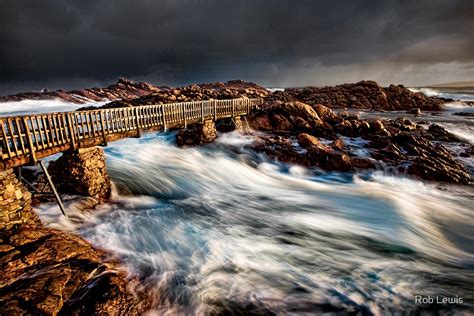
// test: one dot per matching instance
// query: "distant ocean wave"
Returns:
(41, 106)
(464, 95)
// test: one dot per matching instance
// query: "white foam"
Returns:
(41, 106)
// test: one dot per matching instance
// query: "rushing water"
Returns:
(221, 229)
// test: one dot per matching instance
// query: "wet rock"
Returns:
(50, 272)
(280, 147)
(198, 134)
(288, 116)
(362, 163)
(338, 144)
(441, 134)
(81, 172)
(281, 123)
(261, 122)
(327, 115)
(431, 162)
(324, 156)
(414, 111)
(348, 116)
(467, 114)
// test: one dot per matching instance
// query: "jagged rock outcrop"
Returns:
(50, 272)
(81, 172)
(198, 134)
(122, 89)
(286, 116)
(361, 95)
(398, 143)
(211, 91)
(324, 156)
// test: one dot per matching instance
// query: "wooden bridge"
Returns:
(28, 138)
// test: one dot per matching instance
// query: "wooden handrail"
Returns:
(28, 138)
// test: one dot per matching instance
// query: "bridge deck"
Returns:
(28, 138)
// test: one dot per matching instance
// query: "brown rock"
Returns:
(198, 134)
(324, 156)
(260, 122)
(338, 144)
(327, 115)
(363, 94)
(281, 123)
(52, 272)
(81, 172)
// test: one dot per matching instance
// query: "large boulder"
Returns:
(324, 156)
(198, 134)
(431, 162)
(82, 172)
(287, 116)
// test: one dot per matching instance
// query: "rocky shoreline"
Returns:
(47, 271)
(400, 144)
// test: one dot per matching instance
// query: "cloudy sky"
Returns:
(71, 44)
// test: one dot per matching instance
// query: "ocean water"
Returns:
(220, 229)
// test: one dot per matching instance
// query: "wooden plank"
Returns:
(88, 124)
(12, 134)
(18, 127)
(62, 128)
(102, 127)
(33, 132)
(40, 130)
(5, 138)
(56, 132)
(30, 140)
(93, 121)
(72, 130)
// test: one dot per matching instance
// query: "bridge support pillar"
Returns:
(15, 204)
(198, 134)
(81, 172)
(236, 123)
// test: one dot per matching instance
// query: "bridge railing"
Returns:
(27, 138)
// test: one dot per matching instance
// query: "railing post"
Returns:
(163, 115)
(137, 121)
(202, 112)
(183, 107)
(215, 109)
(71, 130)
(5, 138)
(102, 126)
(30, 140)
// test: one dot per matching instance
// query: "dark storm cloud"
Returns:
(63, 42)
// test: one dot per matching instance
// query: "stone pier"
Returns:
(232, 124)
(15, 204)
(81, 172)
(198, 134)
